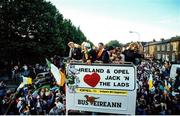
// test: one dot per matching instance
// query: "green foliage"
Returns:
(32, 30)
(114, 43)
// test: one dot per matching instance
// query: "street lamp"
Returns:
(136, 33)
(139, 39)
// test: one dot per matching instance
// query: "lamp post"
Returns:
(139, 39)
(136, 33)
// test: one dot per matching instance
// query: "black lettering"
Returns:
(116, 71)
(82, 102)
(81, 69)
(91, 70)
(96, 103)
(118, 105)
(101, 103)
(105, 104)
(112, 78)
(99, 70)
(123, 84)
(108, 71)
(104, 83)
(108, 104)
(127, 84)
(87, 70)
(126, 78)
(79, 101)
(113, 104)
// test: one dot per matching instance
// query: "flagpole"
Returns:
(17, 91)
(10, 103)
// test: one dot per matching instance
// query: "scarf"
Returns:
(100, 53)
(86, 53)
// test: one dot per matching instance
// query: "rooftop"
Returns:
(163, 41)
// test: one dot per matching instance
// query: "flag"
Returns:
(27, 80)
(150, 82)
(48, 63)
(58, 75)
(20, 86)
(167, 85)
(62, 78)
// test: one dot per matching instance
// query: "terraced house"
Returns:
(164, 50)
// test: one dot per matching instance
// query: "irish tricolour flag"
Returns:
(58, 75)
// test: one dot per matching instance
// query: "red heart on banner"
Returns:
(92, 80)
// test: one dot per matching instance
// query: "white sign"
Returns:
(101, 101)
(101, 88)
(173, 70)
(105, 77)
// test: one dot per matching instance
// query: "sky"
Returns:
(106, 20)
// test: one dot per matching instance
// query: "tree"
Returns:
(114, 43)
(31, 30)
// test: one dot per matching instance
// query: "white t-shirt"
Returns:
(60, 106)
(122, 57)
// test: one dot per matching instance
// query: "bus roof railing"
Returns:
(95, 62)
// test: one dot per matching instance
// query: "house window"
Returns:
(158, 56)
(173, 58)
(168, 47)
(163, 47)
(167, 57)
(174, 46)
(158, 47)
(163, 57)
(145, 49)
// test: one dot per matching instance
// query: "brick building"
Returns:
(165, 50)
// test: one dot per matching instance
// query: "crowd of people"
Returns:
(44, 96)
(27, 101)
(105, 54)
(163, 98)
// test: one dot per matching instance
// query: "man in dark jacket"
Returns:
(131, 55)
(75, 52)
(107, 54)
(100, 52)
(104, 54)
